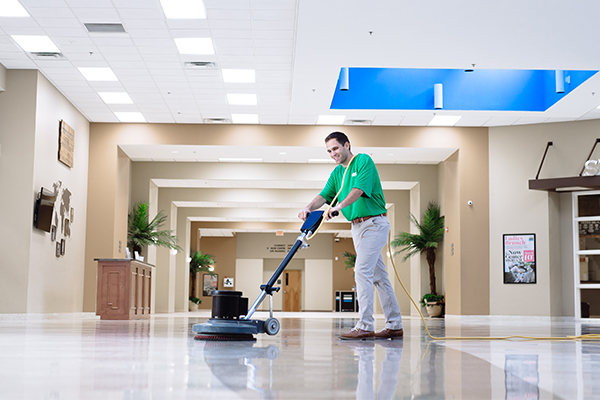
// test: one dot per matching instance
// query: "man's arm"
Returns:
(315, 204)
(351, 198)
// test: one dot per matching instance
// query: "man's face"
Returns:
(338, 152)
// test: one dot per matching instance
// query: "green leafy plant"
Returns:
(142, 232)
(431, 298)
(200, 263)
(431, 233)
(195, 300)
(350, 259)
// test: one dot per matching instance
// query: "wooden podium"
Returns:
(123, 288)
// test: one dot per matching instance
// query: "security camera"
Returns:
(470, 202)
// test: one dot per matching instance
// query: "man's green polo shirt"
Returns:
(362, 174)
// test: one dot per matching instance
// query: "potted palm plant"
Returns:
(141, 232)
(431, 233)
(199, 263)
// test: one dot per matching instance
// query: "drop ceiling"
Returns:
(297, 49)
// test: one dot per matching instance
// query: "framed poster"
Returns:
(210, 283)
(519, 258)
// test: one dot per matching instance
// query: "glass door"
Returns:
(586, 245)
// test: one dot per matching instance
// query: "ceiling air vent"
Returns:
(200, 65)
(105, 28)
(217, 121)
(358, 122)
(47, 55)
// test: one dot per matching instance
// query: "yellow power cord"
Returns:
(580, 337)
(590, 336)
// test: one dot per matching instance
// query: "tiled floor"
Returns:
(159, 359)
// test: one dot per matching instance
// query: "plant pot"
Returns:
(434, 309)
(193, 306)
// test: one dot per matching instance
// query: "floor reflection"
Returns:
(390, 367)
(159, 359)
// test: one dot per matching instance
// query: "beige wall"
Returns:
(223, 250)
(35, 280)
(471, 169)
(17, 138)
(515, 155)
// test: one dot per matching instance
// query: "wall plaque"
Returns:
(66, 144)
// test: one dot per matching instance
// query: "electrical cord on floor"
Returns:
(590, 336)
(580, 337)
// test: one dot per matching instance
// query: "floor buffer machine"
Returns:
(231, 319)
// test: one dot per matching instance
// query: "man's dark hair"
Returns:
(339, 136)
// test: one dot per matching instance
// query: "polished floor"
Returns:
(75, 358)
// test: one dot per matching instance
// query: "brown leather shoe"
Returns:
(358, 334)
(389, 334)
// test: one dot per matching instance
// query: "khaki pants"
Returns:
(369, 238)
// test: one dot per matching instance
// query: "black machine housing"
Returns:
(230, 318)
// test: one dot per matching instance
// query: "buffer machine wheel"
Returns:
(271, 326)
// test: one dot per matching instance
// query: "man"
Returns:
(361, 201)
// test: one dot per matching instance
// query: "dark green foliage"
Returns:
(431, 233)
(142, 233)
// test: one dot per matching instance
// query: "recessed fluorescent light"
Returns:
(194, 45)
(331, 119)
(444, 120)
(174, 152)
(183, 9)
(37, 44)
(240, 159)
(282, 153)
(130, 116)
(12, 8)
(239, 75)
(115, 97)
(242, 99)
(98, 74)
(244, 118)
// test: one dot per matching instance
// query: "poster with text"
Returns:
(519, 258)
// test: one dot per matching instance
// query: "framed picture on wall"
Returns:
(519, 258)
(210, 283)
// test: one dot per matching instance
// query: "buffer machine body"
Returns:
(231, 319)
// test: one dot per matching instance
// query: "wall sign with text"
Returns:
(519, 258)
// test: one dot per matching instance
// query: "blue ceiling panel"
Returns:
(482, 89)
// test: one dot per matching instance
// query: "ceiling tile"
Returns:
(66, 32)
(18, 64)
(274, 43)
(228, 14)
(144, 23)
(232, 34)
(121, 40)
(273, 15)
(155, 118)
(220, 43)
(122, 57)
(50, 12)
(274, 25)
(501, 121)
(237, 24)
(176, 24)
(148, 33)
(58, 22)
(96, 14)
(274, 4)
(141, 13)
(89, 3)
(230, 4)
(416, 120)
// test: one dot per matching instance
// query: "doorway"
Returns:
(292, 290)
